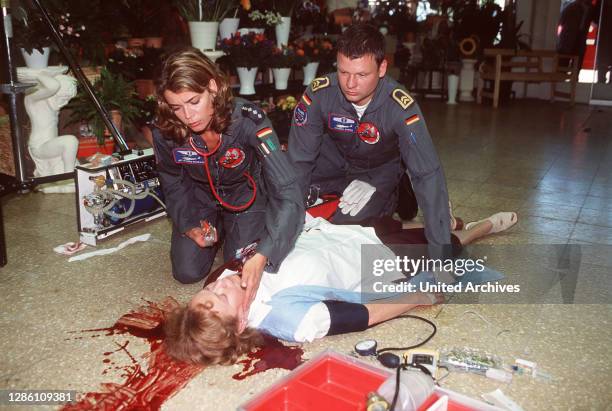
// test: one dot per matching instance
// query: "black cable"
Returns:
(396, 394)
(401, 366)
(425, 341)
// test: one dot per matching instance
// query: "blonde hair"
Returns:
(190, 70)
(198, 335)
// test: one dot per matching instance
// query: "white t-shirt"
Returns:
(324, 255)
(360, 109)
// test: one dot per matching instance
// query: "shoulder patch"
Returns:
(319, 83)
(253, 112)
(402, 98)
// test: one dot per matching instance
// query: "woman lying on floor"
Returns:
(316, 292)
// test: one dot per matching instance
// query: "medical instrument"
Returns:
(250, 179)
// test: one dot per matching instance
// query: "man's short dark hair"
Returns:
(361, 39)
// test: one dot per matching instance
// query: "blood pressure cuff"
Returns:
(346, 317)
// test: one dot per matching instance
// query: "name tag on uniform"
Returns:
(342, 123)
(186, 156)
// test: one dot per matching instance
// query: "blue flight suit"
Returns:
(275, 218)
(327, 132)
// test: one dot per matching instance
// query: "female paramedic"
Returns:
(320, 289)
(222, 172)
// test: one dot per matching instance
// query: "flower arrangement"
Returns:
(266, 18)
(286, 103)
(82, 26)
(249, 50)
(315, 49)
(70, 31)
(32, 33)
(205, 10)
(285, 57)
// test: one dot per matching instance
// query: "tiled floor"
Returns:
(550, 163)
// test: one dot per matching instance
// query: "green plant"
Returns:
(205, 10)
(114, 93)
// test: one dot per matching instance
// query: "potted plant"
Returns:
(247, 52)
(314, 51)
(203, 17)
(229, 25)
(116, 95)
(32, 36)
(285, 9)
(281, 61)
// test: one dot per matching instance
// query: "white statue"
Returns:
(52, 154)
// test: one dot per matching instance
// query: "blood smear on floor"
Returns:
(164, 377)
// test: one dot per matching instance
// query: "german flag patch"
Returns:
(319, 83)
(264, 132)
(306, 99)
(402, 98)
(412, 119)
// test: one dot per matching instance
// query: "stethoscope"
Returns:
(250, 179)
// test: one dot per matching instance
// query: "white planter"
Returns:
(36, 60)
(247, 80)
(466, 82)
(282, 31)
(204, 34)
(310, 72)
(453, 85)
(281, 76)
(227, 27)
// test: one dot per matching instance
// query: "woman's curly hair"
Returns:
(189, 69)
(198, 335)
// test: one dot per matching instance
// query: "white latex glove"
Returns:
(355, 197)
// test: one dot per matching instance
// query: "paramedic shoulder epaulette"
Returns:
(253, 112)
(402, 98)
(319, 83)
